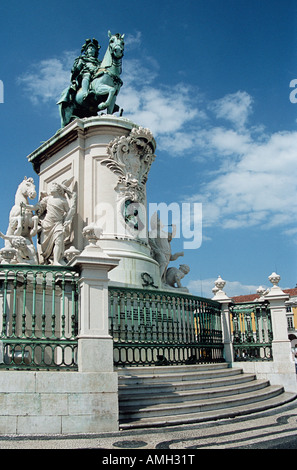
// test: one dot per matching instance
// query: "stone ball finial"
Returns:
(218, 292)
(71, 253)
(260, 291)
(220, 283)
(92, 233)
(274, 279)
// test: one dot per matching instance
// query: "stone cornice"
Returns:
(74, 130)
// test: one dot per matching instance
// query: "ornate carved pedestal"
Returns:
(109, 159)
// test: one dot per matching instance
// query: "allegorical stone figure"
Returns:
(174, 275)
(160, 245)
(56, 211)
(22, 225)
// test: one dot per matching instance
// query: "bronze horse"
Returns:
(103, 89)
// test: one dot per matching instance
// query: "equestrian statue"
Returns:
(94, 84)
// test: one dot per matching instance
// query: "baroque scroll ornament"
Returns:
(130, 158)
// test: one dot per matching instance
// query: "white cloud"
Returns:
(133, 40)
(258, 188)
(163, 110)
(224, 142)
(136, 74)
(179, 142)
(235, 107)
(44, 81)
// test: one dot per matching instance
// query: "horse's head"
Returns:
(116, 45)
(27, 188)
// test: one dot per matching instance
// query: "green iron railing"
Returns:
(159, 328)
(252, 332)
(39, 317)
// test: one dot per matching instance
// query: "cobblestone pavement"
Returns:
(273, 429)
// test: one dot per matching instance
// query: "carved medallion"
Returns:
(130, 158)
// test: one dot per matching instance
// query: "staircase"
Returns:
(171, 395)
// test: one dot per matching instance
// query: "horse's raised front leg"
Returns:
(106, 90)
(111, 106)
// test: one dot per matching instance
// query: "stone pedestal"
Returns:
(284, 367)
(225, 301)
(109, 159)
(95, 345)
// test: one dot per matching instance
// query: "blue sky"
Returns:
(211, 79)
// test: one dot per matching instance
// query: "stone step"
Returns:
(157, 370)
(164, 396)
(198, 406)
(150, 396)
(130, 390)
(152, 377)
(208, 416)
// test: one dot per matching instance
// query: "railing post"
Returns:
(224, 300)
(95, 345)
(283, 365)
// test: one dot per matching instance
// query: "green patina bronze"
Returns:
(153, 327)
(39, 317)
(94, 84)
